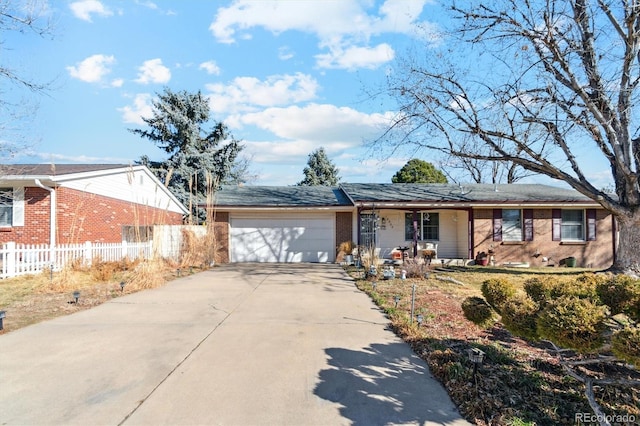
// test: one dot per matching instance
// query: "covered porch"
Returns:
(428, 233)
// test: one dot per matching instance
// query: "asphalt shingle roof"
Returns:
(408, 192)
(316, 196)
(54, 169)
(281, 196)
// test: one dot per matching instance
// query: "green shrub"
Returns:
(540, 289)
(622, 295)
(497, 291)
(519, 315)
(583, 287)
(544, 289)
(626, 345)
(573, 323)
(478, 311)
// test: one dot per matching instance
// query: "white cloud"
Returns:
(285, 53)
(345, 26)
(247, 93)
(142, 107)
(210, 67)
(86, 159)
(84, 9)
(322, 123)
(152, 71)
(148, 4)
(117, 82)
(92, 69)
(354, 57)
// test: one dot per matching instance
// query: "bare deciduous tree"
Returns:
(23, 17)
(542, 85)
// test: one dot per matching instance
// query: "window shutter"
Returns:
(497, 224)
(556, 224)
(18, 207)
(591, 224)
(527, 215)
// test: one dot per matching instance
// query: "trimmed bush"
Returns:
(497, 291)
(622, 295)
(478, 311)
(583, 287)
(626, 345)
(573, 323)
(540, 289)
(519, 315)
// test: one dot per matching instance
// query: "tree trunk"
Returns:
(628, 253)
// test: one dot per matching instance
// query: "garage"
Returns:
(292, 238)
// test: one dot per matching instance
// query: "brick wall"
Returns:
(596, 254)
(82, 217)
(36, 220)
(221, 230)
(344, 227)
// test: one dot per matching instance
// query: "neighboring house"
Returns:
(74, 203)
(516, 224)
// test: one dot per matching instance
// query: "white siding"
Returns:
(452, 232)
(135, 186)
(463, 234)
(391, 232)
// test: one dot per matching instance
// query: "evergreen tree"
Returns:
(194, 153)
(418, 171)
(320, 171)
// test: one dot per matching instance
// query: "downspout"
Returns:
(52, 219)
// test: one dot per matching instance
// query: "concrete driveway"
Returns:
(253, 344)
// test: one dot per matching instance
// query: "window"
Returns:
(431, 226)
(6, 206)
(574, 225)
(511, 225)
(428, 226)
(572, 228)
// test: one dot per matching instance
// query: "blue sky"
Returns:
(287, 77)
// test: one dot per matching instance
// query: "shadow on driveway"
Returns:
(377, 386)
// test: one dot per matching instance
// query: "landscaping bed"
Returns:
(30, 299)
(518, 383)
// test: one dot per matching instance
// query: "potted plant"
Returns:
(345, 252)
(482, 258)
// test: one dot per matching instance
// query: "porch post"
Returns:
(415, 233)
(359, 229)
(470, 233)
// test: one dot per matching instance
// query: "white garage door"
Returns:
(290, 239)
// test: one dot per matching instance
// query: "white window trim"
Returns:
(583, 238)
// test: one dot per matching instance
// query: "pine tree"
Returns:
(177, 127)
(320, 171)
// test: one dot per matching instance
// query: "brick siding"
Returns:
(596, 254)
(221, 232)
(344, 227)
(81, 217)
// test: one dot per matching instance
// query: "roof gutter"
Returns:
(52, 216)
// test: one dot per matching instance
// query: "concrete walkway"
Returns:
(236, 345)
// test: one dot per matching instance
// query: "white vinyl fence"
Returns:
(20, 259)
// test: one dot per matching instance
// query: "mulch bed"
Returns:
(519, 382)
